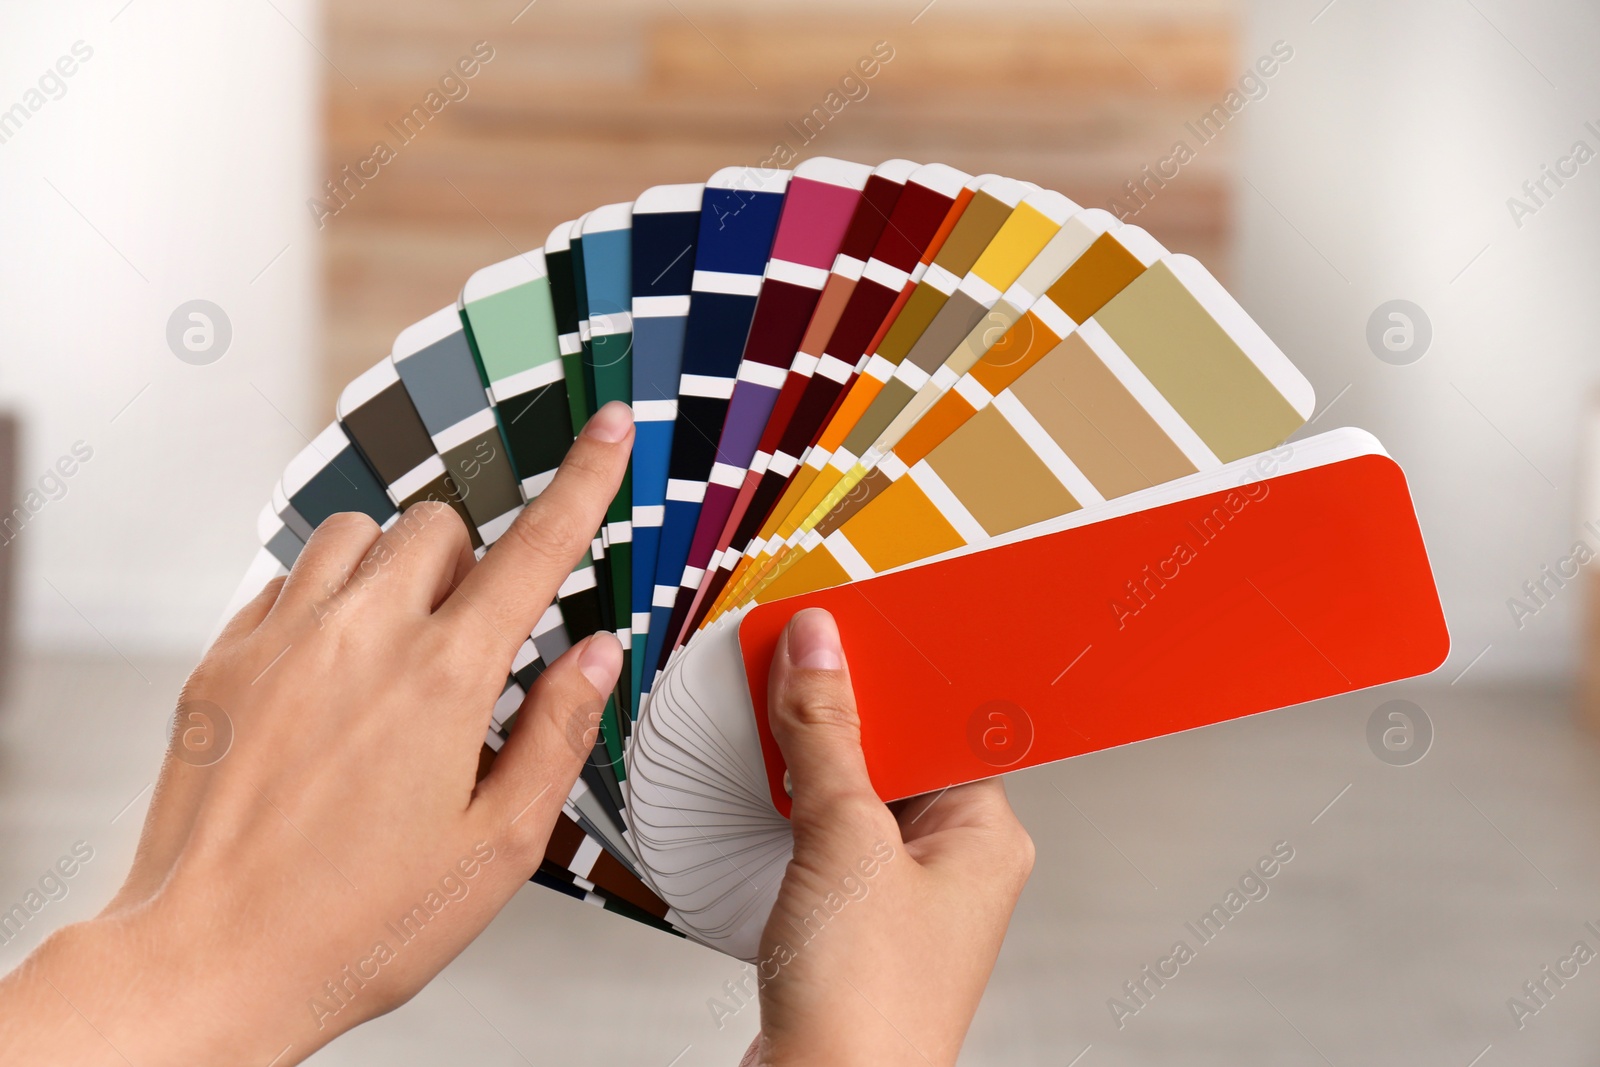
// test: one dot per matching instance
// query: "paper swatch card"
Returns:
(1134, 621)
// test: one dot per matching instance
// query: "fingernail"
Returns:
(601, 661)
(611, 423)
(814, 641)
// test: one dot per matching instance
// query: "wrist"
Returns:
(75, 999)
(118, 989)
(37, 1024)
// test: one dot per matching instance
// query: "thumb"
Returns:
(555, 732)
(814, 721)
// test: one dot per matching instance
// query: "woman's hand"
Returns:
(342, 851)
(888, 923)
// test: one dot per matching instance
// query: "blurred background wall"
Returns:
(170, 165)
(586, 104)
(1389, 165)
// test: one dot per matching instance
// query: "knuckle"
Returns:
(438, 524)
(1023, 853)
(349, 523)
(461, 651)
(547, 533)
(199, 682)
(821, 710)
(479, 647)
(1013, 849)
(578, 718)
(525, 839)
(427, 509)
(237, 631)
(432, 516)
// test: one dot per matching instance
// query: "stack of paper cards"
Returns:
(1033, 462)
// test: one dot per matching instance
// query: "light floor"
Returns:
(1415, 905)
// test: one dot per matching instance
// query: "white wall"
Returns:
(187, 141)
(1391, 143)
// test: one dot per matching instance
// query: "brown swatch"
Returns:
(1104, 270)
(1098, 423)
(994, 473)
(390, 433)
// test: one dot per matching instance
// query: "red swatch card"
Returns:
(1283, 590)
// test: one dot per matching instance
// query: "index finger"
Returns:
(518, 578)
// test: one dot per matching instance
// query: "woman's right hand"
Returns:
(888, 924)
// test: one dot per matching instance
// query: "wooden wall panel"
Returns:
(584, 104)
